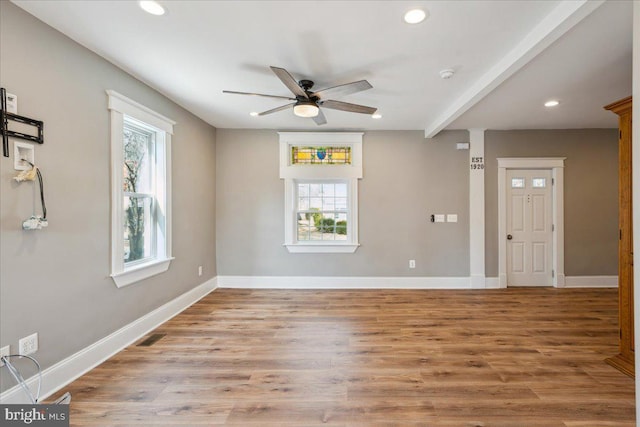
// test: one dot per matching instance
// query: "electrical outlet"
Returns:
(4, 351)
(199, 270)
(412, 263)
(28, 345)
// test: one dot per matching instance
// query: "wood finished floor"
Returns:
(512, 357)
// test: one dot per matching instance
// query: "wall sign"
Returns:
(477, 163)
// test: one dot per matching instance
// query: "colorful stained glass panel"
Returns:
(320, 155)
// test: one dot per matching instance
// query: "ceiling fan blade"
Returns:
(289, 81)
(275, 110)
(258, 94)
(345, 106)
(320, 119)
(344, 89)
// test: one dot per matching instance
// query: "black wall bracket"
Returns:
(4, 125)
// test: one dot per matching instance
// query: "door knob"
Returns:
(509, 237)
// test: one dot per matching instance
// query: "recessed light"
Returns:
(551, 103)
(152, 7)
(415, 16)
(376, 116)
(253, 114)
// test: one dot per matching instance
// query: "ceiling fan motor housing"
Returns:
(306, 84)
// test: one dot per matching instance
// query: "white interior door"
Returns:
(529, 227)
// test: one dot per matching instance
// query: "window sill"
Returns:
(141, 272)
(321, 248)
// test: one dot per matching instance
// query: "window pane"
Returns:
(303, 204)
(137, 162)
(303, 190)
(137, 228)
(341, 203)
(341, 226)
(517, 182)
(327, 190)
(315, 190)
(303, 232)
(315, 235)
(341, 190)
(316, 203)
(539, 182)
(328, 204)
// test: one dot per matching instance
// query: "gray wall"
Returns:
(406, 178)
(56, 281)
(590, 193)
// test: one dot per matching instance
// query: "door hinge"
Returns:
(553, 273)
(553, 227)
(553, 181)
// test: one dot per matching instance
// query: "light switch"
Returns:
(439, 217)
(452, 218)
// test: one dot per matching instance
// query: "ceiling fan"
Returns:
(307, 103)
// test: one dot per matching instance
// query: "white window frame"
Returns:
(124, 109)
(310, 173)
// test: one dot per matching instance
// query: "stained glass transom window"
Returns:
(320, 155)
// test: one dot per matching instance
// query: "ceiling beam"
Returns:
(561, 19)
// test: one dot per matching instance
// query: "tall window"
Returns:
(139, 199)
(141, 202)
(321, 172)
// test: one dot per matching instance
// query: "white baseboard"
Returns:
(62, 373)
(477, 281)
(322, 282)
(330, 282)
(591, 282)
(492, 283)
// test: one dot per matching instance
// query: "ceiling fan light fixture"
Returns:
(376, 116)
(152, 7)
(415, 16)
(306, 109)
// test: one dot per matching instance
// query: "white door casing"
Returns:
(529, 227)
(556, 166)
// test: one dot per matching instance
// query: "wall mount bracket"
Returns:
(4, 125)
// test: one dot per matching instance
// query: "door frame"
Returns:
(556, 165)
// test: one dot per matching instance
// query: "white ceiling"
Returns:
(199, 48)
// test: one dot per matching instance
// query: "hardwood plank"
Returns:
(375, 358)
